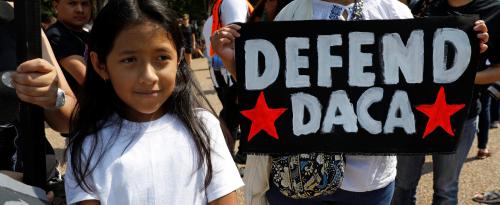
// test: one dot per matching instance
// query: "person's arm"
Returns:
(233, 11)
(482, 34)
(225, 176)
(89, 202)
(490, 75)
(75, 65)
(36, 81)
(58, 119)
(223, 44)
(68, 52)
(229, 199)
(193, 38)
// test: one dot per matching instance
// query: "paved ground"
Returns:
(477, 175)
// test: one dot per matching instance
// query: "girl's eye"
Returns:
(128, 60)
(163, 58)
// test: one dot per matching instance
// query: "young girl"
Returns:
(138, 134)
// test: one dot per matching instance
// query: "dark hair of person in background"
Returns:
(47, 20)
(97, 101)
(261, 13)
(421, 8)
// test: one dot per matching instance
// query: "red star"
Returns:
(262, 118)
(439, 113)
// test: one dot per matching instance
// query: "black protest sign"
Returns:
(380, 86)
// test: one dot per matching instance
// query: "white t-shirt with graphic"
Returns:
(158, 166)
(365, 173)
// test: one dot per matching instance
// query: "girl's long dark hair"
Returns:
(97, 101)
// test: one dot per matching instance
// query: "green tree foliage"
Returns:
(197, 9)
(46, 7)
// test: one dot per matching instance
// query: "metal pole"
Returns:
(31, 130)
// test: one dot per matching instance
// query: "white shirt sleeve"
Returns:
(225, 175)
(233, 11)
(74, 193)
(398, 10)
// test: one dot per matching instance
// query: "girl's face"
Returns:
(141, 66)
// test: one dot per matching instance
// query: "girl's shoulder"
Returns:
(211, 125)
(207, 117)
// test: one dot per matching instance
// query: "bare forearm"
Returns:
(89, 202)
(230, 65)
(59, 119)
(489, 75)
(75, 65)
(193, 38)
(229, 199)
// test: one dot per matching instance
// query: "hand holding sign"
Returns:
(483, 36)
(223, 44)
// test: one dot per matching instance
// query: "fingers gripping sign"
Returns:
(482, 34)
(223, 44)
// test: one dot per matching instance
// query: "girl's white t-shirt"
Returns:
(159, 166)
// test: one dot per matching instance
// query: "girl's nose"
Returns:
(148, 75)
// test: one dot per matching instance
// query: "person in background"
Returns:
(47, 20)
(447, 167)
(367, 179)
(489, 197)
(495, 112)
(189, 39)
(39, 82)
(266, 10)
(225, 12)
(68, 38)
(484, 125)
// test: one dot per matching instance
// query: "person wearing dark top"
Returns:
(447, 167)
(189, 39)
(37, 82)
(9, 103)
(68, 38)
